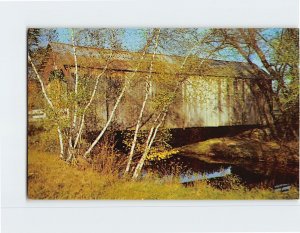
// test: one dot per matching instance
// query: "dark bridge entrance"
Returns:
(182, 137)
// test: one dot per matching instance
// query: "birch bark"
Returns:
(150, 140)
(107, 123)
(127, 83)
(139, 120)
(153, 131)
(60, 136)
(74, 122)
(90, 101)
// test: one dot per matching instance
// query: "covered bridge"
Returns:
(215, 93)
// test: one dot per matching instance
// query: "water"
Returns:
(187, 178)
(251, 174)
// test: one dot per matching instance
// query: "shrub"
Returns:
(106, 159)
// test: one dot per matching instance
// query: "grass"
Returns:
(51, 178)
(240, 150)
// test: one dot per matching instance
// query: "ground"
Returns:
(51, 178)
(243, 148)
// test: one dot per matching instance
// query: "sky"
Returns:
(133, 39)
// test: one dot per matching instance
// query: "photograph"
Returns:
(162, 113)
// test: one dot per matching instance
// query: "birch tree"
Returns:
(148, 84)
(75, 128)
(50, 104)
(157, 123)
(127, 81)
(76, 131)
(161, 116)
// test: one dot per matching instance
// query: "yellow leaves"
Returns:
(159, 155)
(57, 91)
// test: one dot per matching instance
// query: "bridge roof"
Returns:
(96, 58)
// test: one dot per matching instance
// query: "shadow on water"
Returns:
(251, 175)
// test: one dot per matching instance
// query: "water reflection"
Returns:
(251, 174)
(186, 178)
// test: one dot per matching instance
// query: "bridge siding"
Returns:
(218, 101)
(201, 102)
(204, 102)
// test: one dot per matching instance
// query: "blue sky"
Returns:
(133, 39)
(64, 35)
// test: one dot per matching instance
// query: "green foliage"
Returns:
(57, 74)
(286, 55)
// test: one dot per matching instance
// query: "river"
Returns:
(251, 174)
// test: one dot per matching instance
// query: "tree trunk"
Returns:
(137, 128)
(107, 123)
(116, 104)
(90, 101)
(74, 122)
(61, 143)
(60, 136)
(139, 121)
(150, 140)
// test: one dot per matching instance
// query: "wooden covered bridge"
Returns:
(215, 93)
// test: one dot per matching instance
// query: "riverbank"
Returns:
(51, 178)
(243, 148)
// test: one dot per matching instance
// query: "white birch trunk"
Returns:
(152, 134)
(139, 121)
(138, 125)
(70, 150)
(110, 117)
(61, 143)
(116, 104)
(107, 123)
(60, 136)
(113, 111)
(74, 122)
(76, 81)
(41, 83)
(90, 101)
(150, 140)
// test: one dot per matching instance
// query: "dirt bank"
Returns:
(250, 146)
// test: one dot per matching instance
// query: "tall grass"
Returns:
(106, 160)
(51, 178)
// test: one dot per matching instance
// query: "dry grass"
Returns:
(51, 178)
(240, 150)
(106, 160)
